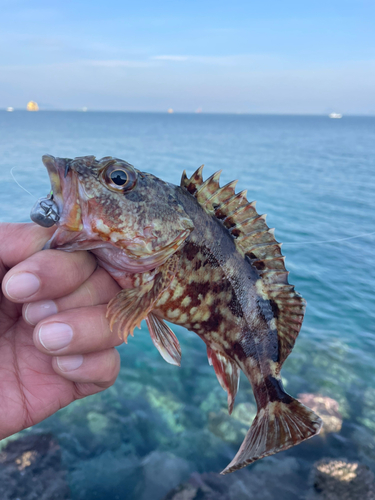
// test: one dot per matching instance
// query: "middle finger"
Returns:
(76, 331)
(100, 288)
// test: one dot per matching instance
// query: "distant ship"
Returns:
(10, 109)
(170, 111)
(335, 115)
(32, 106)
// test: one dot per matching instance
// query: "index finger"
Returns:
(48, 274)
(21, 241)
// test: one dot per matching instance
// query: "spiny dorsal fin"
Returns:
(194, 182)
(222, 194)
(208, 188)
(255, 241)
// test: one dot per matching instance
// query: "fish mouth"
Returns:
(65, 191)
(52, 166)
(63, 188)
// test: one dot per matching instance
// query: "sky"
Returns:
(298, 57)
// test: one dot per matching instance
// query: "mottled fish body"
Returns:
(197, 255)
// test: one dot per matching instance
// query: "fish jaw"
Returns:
(65, 193)
(69, 234)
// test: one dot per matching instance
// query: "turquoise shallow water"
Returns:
(315, 178)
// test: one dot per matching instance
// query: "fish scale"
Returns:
(197, 255)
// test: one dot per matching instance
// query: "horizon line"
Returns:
(166, 112)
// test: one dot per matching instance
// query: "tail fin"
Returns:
(275, 428)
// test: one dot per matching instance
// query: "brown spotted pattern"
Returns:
(232, 290)
(199, 295)
(198, 255)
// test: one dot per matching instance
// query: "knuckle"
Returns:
(105, 333)
(79, 269)
(112, 367)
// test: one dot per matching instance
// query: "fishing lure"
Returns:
(45, 212)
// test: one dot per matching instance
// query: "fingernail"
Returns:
(55, 336)
(22, 285)
(36, 311)
(69, 363)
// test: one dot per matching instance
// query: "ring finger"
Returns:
(76, 331)
(100, 368)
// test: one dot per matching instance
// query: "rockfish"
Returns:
(197, 255)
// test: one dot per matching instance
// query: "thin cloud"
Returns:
(97, 63)
(110, 63)
(230, 60)
(170, 58)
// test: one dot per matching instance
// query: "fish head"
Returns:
(118, 212)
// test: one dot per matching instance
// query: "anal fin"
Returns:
(164, 339)
(227, 372)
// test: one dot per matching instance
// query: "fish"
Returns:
(197, 255)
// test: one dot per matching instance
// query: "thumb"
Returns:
(19, 241)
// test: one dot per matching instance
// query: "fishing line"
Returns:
(327, 241)
(285, 243)
(15, 180)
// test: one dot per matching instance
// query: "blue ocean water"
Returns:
(315, 178)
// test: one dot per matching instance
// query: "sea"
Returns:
(159, 424)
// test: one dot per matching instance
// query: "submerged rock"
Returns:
(98, 423)
(364, 443)
(368, 412)
(278, 479)
(161, 472)
(112, 474)
(186, 491)
(202, 448)
(168, 406)
(198, 488)
(244, 413)
(226, 428)
(232, 428)
(341, 480)
(30, 469)
(327, 409)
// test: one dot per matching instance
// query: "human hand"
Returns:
(55, 342)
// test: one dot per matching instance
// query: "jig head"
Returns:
(45, 212)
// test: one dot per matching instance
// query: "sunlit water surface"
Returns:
(315, 178)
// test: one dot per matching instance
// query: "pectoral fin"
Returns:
(227, 372)
(164, 339)
(131, 306)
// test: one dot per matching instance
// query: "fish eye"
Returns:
(119, 177)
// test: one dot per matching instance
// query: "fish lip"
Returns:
(64, 184)
(51, 163)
